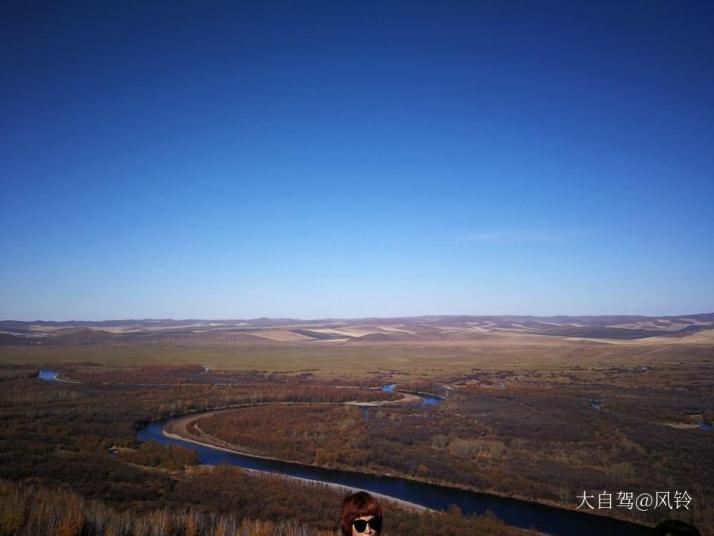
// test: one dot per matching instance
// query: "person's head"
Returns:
(361, 514)
(672, 527)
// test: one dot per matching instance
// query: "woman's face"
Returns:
(367, 528)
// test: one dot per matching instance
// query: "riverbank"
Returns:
(406, 505)
(180, 429)
(188, 429)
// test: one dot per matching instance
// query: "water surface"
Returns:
(551, 520)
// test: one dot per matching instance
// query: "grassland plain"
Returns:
(432, 358)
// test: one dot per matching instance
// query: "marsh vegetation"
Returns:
(525, 429)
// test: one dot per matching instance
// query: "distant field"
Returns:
(425, 359)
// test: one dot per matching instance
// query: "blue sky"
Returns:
(345, 159)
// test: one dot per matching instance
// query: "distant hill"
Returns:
(367, 330)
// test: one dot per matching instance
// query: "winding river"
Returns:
(519, 513)
(515, 512)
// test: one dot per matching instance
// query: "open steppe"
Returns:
(424, 347)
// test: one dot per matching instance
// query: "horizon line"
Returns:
(356, 318)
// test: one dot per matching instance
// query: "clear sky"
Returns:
(351, 158)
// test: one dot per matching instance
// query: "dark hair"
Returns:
(673, 527)
(357, 505)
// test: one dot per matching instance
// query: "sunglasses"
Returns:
(360, 525)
